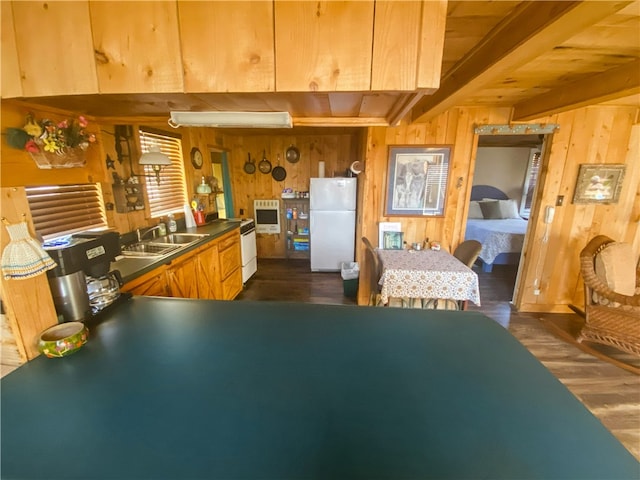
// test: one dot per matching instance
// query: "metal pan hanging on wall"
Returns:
(279, 173)
(292, 155)
(265, 165)
(249, 165)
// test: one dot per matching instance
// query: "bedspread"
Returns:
(497, 236)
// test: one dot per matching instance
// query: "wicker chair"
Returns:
(610, 318)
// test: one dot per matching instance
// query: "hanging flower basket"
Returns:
(53, 145)
(67, 157)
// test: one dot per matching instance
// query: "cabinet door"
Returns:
(183, 279)
(229, 261)
(155, 287)
(232, 285)
(55, 49)
(245, 64)
(138, 52)
(208, 269)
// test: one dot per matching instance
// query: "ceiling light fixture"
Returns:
(156, 159)
(231, 119)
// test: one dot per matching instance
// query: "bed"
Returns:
(494, 221)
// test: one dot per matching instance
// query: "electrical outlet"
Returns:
(536, 291)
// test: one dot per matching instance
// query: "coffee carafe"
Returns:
(82, 284)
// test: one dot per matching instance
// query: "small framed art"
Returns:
(392, 240)
(599, 183)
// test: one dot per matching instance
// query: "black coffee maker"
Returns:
(82, 284)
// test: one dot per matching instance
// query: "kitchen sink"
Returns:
(179, 238)
(149, 249)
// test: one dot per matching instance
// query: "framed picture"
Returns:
(392, 241)
(417, 180)
(599, 183)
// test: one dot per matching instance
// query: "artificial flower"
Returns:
(31, 146)
(50, 136)
(50, 145)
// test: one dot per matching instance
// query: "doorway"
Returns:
(504, 182)
(222, 183)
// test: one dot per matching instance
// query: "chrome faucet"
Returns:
(141, 236)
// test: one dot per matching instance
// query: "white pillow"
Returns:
(474, 210)
(500, 209)
(614, 265)
(509, 208)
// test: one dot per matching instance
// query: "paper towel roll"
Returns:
(321, 169)
(188, 217)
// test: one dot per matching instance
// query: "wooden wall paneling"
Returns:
(11, 82)
(201, 138)
(238, 39)
(29, 303)
(361, 141)
(337, 151)
(537, 253)
(371, 182)
(19, 169)
(323, 46)
(629, 195)
(138, 52)
(463, 158)
(55, 48)
(122, 222)
(396, 36)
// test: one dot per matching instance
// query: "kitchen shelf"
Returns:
(297, 242)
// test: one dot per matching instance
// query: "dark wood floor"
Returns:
(611, 393)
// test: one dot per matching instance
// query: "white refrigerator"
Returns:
(332, 227)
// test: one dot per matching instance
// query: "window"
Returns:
(530, 180)
(60, 210)
(169, 196)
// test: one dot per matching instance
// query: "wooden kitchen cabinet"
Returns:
(174, 47)
(212, 271)
(230, 265)
(153, 284)
(208, 271)
(182, 276)
(55, 48)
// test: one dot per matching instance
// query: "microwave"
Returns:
(267, 216)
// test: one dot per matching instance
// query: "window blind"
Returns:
(170, 195)
(59, 210)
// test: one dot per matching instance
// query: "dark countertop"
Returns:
(171, 388)
(131, 267)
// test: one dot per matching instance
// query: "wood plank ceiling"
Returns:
(538, 57)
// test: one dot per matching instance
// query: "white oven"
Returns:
(267, 216)
(248, 249)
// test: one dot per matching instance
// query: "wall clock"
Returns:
(196, 157)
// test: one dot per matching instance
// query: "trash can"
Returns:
(350, 272)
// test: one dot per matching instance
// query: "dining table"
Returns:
(426, 274)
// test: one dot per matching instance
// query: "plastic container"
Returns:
(173, 226)
(350, 272)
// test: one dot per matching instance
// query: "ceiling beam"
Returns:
(532, 29)
(614, 83)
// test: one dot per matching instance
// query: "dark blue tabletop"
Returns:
(190, 389)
